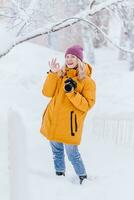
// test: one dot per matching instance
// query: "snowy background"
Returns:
(107, 148)
(110, 166)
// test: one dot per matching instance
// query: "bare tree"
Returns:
(126, 13)
(101, 19)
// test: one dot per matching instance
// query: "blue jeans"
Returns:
(73, 156)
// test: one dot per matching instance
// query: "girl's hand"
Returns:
(54, 66)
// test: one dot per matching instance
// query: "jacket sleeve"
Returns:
(86, 99)
(50, 84)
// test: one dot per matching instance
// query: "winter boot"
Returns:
(82, 178)
(60, 173)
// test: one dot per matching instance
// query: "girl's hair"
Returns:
(81, 73)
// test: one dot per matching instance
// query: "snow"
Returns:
(110, 171)
(115, 85)
(109, 166)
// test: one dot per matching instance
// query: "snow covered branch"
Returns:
(106, 37)
(103, 5)
(3, 15)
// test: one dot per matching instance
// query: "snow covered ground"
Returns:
(109, 166)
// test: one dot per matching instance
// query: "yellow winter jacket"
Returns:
(64, 116)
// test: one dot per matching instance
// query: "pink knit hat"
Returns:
(75, 50)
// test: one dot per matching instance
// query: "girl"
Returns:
(72, 93)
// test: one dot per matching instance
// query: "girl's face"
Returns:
(71, 61)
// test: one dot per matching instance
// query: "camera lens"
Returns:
(68, 87)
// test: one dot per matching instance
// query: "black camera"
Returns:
(70, 85)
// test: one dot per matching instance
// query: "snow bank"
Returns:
(4, 171)
(18, 161)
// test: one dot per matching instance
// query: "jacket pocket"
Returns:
(73, 121)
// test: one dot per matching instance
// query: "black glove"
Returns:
(70, 85)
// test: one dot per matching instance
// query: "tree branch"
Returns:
(103, 5)
(7, 16)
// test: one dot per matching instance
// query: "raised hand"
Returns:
(54, 65)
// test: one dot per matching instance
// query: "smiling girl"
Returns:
(72, 92)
